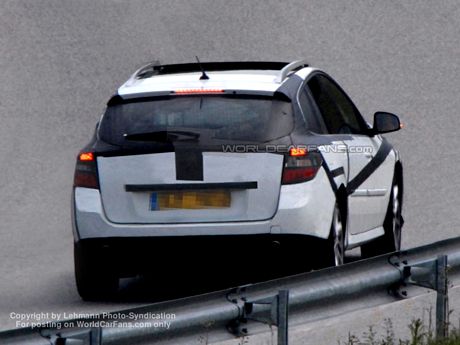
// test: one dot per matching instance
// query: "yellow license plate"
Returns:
(168, 200)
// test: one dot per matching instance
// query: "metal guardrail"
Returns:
(237, 312)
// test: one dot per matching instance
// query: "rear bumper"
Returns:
(303, 209)
(222, 246)
(220, 257)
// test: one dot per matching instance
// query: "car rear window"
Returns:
(223, 118)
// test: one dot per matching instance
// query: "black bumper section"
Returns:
(155, 254)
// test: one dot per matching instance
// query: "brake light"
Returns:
(197, 91)
(86, 171)
(301, 166)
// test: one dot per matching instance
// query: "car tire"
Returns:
(94, 278)
(334, 252)
(392, 225)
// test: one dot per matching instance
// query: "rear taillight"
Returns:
(86, 171)
(300, 165)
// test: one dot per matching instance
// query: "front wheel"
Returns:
(391, 240)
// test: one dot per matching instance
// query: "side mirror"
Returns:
(385, 122)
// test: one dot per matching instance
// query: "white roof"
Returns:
(227, 80)
(250, 80)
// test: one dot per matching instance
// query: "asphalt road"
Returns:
(60, 61)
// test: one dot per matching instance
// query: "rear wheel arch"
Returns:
(334, 247)
(398, 178)
(342, 199)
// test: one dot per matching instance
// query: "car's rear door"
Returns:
(369, 174)
(206, 177)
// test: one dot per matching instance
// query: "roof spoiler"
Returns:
(155, 68)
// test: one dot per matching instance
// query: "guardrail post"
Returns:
(277, 315)
(442, 298)
(283, 321)
(431, 274)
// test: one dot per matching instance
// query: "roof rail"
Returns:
(147, 71)
(291, 67)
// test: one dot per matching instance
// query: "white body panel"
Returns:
(304, 208)
(363, 237)
(336, 157)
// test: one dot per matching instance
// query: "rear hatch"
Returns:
(212, 172)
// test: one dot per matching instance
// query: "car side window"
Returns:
(311, 118)
(339, 113)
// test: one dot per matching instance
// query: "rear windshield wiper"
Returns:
(162, 136)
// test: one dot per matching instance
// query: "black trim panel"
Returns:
(154, 69)
(189, 164)
(337, 172)
(189, 186)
